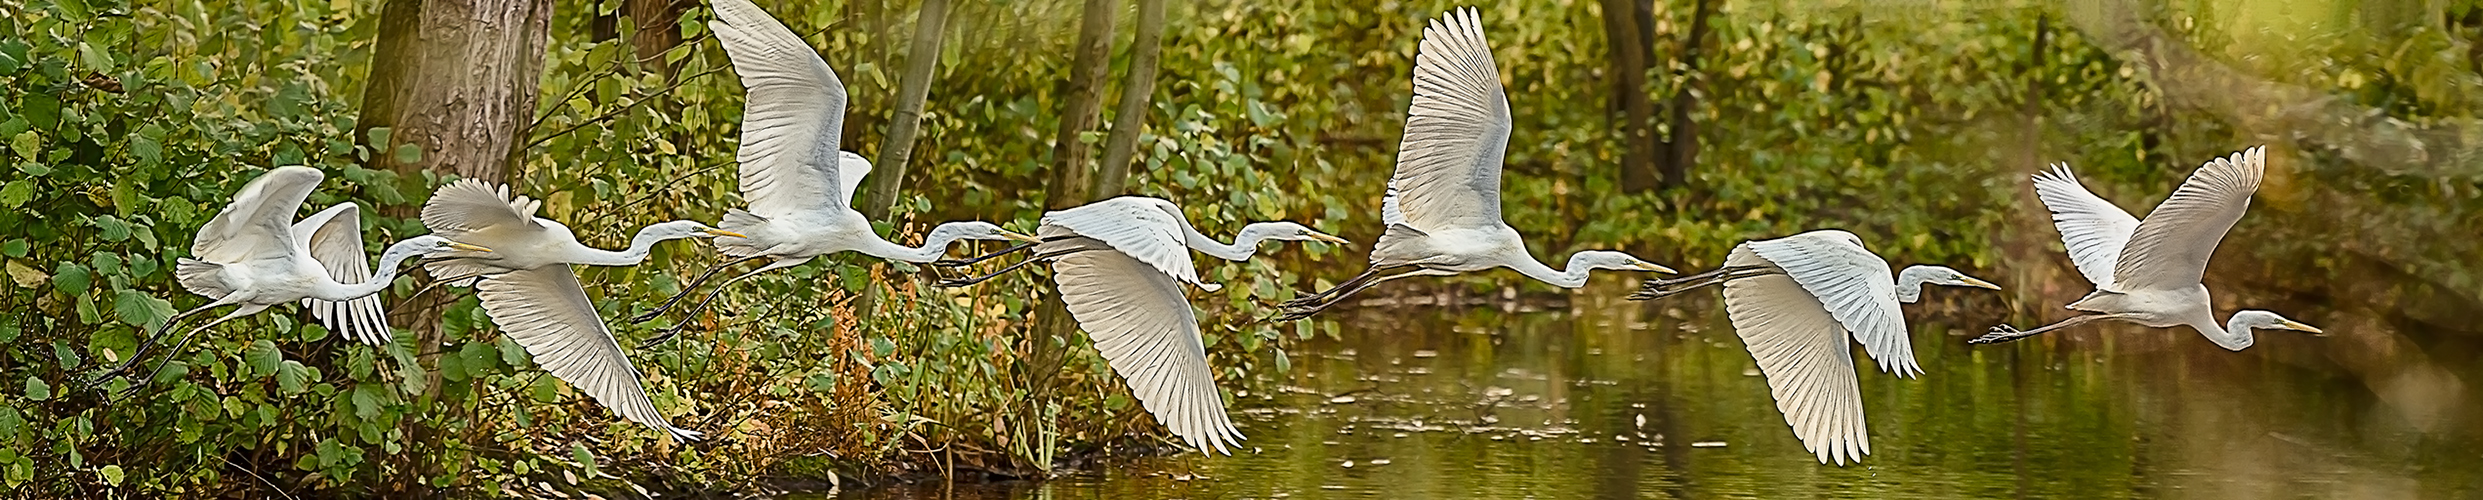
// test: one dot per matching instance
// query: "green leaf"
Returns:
(93, 58)
(408, 154)
(37, 390)
(586, 459)
(263, 357)
(111, 475)
(141, 310)
(15, 248)
(16, 193)
(74, 9)
(366, 402)
(112, 228)
(547, 390)
(26, 144)
(293, 378)
(71, 279)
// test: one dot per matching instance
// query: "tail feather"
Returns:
(201, 277)
(738, 221)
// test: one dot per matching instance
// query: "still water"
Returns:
(1597, 398)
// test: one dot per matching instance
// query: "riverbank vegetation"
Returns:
(1674, 129)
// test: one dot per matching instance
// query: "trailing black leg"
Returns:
(979, 259)
(693, 286)
(1006, 270)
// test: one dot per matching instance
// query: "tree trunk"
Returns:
(913, 88)
(459, 81)
(1681, 144)
(657, 31)
(1072, 182)
(1631, 109)
(1131, 118)
(1070, 186)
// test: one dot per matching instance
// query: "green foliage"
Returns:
(127, 125)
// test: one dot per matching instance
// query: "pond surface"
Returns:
(1608, 399)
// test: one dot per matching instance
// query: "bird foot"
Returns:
(952, 283)
(951, 263)
(1998, 334)
(649, 316)
(1300, 303)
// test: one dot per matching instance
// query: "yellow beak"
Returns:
(466, 247)
(1977, 283)
(1647, 266)
(1329, 238)
(720, 232)
(1014, 235)
(2297, 325)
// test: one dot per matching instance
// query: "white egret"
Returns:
(528, 289)
(254, 256)
(1443, 202)
(800, 187)
(1120, 264)
(1795, 301)
(2149, 272)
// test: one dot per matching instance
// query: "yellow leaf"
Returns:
(26, 276)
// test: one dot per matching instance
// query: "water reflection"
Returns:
(1608, 399)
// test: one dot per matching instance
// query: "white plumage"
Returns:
(2150, 271)
(1795, 301)
(1442, 205)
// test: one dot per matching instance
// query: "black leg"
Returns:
(1661, 288)
(436, 284)
(667, 334)
(1298, 312)
(693, 286)
(981, 258)
(2006, 333)
(1315, 298)
(149, 342)
(1006, 270)
(169, 357)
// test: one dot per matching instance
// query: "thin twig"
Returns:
(262, 479)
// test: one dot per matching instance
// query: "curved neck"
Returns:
(2235, 335)
(933, 246)
(1245, 244)
(1572, 278)
(639, 246)
(1910, 283)
(389, 261)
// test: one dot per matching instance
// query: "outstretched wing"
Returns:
(2093, 230)
(1854, 286)
(259, 221)
(1448, 165)
(793, 119)
(2171, 247)
(1147, 229)
(546, 310)
(334, 238)
(851, 168)
(1801, 350)
(1144, 327)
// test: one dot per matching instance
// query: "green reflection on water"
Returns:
(1481, 402)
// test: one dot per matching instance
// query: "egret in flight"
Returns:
(799, 185)
(2148, 272)
(1120, 264)
(1443, 203)
(1795, 302)
(528, 289)
(255, 256)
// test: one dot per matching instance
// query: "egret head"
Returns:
(1605, 259)
(2263, 320)
(976, 230)
(1286, 231)
(684, 229)
(1943, 275)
